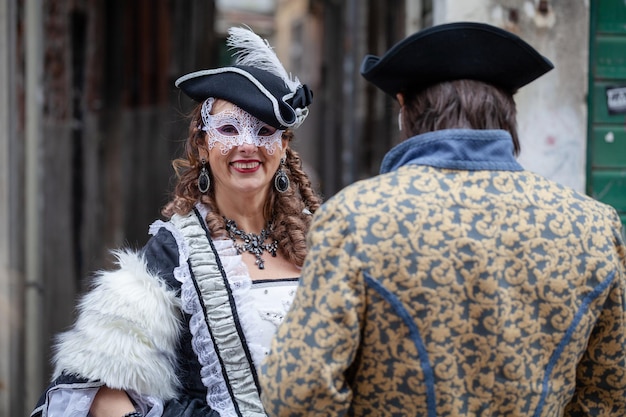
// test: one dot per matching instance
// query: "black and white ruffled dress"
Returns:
(180, 326)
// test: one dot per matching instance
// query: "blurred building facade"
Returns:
(89, 120)
(571, 121)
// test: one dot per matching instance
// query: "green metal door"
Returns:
(606, 147)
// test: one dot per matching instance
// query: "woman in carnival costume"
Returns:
(180, 327)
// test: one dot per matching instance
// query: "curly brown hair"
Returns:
(460, 104)
(287, 211)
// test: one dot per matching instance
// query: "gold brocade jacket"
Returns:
(455, 284)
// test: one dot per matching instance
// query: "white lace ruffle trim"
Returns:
(74, 400)
(218, 396)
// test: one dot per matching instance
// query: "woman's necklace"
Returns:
(253, 243)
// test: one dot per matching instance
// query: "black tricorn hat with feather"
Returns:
(257, 83)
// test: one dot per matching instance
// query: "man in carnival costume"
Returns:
(456, 283)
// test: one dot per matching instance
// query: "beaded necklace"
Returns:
(252, 243)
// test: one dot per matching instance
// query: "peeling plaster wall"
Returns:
(552, 111)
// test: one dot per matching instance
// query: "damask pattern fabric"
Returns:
(431, 291)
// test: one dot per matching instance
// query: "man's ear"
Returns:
(400, 99)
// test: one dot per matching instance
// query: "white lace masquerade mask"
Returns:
(234, 127)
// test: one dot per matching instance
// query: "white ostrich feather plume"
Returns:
(256, 52)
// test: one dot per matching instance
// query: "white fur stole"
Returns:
(126, 331)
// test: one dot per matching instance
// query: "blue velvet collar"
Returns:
(455, 149)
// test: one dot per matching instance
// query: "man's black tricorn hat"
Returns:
(257, 83)
(455, 51)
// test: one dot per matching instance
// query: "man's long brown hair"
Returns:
(459, 104)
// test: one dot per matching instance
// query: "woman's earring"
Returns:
(400, 120)
(281, 180)
(204, 181)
